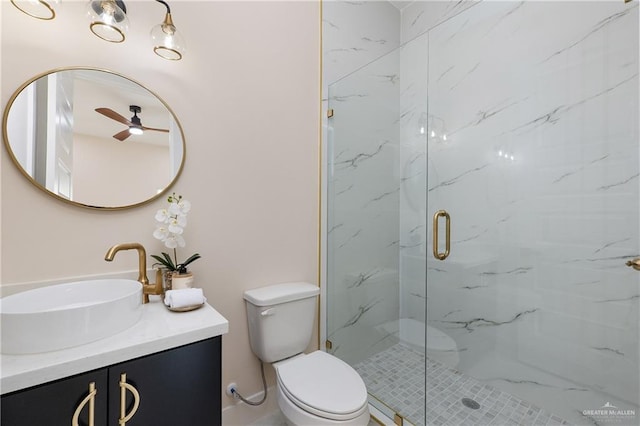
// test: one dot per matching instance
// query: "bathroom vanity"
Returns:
(164, 370)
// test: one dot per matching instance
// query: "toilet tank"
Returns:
(281, 319)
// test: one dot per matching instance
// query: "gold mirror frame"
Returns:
(17, 163)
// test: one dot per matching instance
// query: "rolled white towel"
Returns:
(184, 297)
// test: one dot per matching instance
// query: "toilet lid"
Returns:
(324, 385)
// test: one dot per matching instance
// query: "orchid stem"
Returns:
(175, 258)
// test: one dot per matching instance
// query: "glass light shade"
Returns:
(108, 20)
(40, 9)
(167, 41)
(134, 130)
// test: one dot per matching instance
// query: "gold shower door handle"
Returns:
(124, 386)
(436, 236)
(90, 398)
(635, 264)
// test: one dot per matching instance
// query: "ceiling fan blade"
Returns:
(107, 112)
(155, 130)
(122, 135)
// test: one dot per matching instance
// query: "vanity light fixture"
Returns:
(109, 19)
(39, 9)
(167, 41)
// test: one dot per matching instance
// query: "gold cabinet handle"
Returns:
(436, 218)
(90, 398)
(635, 264)
(124, 386)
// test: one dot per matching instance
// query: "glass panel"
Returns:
(363, 219)
(533, 151)
(377, 227)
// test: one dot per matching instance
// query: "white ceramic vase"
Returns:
(180, 281)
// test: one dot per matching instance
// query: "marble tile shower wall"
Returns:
(414, 131)
(354, 34)
(416, 127)
(363, 208)
(540, 174)
(535, 292)
(422, 15)
(366, 273)
(361, 85)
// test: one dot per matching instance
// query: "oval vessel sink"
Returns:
(65, 315)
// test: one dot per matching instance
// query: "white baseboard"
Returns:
(241, 414)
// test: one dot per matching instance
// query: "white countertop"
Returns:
(158, 329)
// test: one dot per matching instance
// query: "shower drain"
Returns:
(470, 403)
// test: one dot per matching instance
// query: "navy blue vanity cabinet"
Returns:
(176, 387)
(55, 403)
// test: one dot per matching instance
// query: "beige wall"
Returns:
(117, 174)
(247, 95)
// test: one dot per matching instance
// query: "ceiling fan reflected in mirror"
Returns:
(135, 126)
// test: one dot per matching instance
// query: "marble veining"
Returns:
(581, 169)
(514, 271)
(619, 183)
(596, 28)
(464, 76)
(380, 197)
(489, 112)
(630, 298)
(455, 179)
(537, 384)
(475, 236)
(363, 156)
(345, 98)
(615, 351)
(527, 134)
(555, 114)
(350, 238)
(611, 244)
(362, 309)
(472, 324)
(420, 16)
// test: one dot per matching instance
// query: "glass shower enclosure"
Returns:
(483, 216)
(376, 229)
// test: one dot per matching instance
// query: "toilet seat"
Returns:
(323, 385)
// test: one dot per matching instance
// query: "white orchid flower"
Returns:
(174, 241)
(161, 233)
(174, 227)
(162, 215)
(170, 242)
(170, 225)
(181, 207)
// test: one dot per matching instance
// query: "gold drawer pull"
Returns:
(124, 386)
(90, 398)
(436, 217)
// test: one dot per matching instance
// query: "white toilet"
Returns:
(312, 389)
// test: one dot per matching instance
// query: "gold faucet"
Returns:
(147, 288)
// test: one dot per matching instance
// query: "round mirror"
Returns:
(93, 138)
